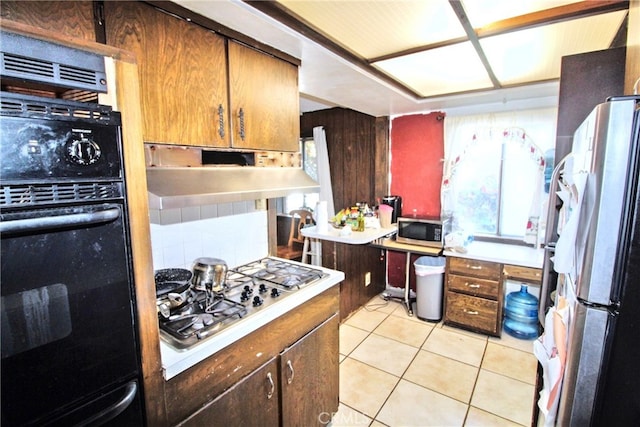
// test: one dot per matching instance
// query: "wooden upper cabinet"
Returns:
(71, 18)
(182, 71)
(264, 100)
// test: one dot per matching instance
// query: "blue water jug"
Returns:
(521, 314)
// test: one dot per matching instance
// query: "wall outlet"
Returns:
(367, 278)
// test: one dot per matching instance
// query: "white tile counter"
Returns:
(524, 256)
(176, 361)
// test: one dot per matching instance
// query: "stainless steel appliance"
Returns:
(248, 289)
(68, 331)
(592, 262)
(423, 230)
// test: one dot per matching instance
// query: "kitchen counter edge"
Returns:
(524, 256)
(175, 361)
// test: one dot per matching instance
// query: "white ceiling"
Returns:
(375, 28)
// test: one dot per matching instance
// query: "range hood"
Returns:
(179, 187)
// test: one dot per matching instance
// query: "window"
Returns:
(493, 183)
(310, 166)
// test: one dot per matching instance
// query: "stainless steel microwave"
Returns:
(423, 231)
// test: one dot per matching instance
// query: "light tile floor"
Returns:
(397, 370)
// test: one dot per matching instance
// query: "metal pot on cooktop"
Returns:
(222, 296)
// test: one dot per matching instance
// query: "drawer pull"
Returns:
(474, 267)
(290, 366)
(471, 312)
(271, 385)
(472, 285)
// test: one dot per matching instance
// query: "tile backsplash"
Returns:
(236, 239)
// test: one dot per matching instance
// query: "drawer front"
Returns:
(475, 313)
(527, 274)
(485, 269)
(473, 286)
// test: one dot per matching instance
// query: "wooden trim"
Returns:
(128, 95)
(552, 16)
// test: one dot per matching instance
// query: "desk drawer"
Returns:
(472, 267)
(477, 314)
(526, 274)
(473, 286)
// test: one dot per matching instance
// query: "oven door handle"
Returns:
(61, 221)
(114, 410)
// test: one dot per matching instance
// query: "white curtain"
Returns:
(324, 172)
(535, 128)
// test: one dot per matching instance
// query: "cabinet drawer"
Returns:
(473, 286)
(474, 313)
(527, 274)
(474, 268)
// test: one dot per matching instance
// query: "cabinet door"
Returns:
(253, 401)
(182, 71)
(264, 100)
(71, 18)
(309, 377)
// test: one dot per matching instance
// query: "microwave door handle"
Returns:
(39, 224)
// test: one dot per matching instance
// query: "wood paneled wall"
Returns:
(358, 146)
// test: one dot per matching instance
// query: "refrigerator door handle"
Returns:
(549, 242)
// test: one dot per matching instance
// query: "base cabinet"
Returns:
(285, 373)
(257, 393)
(474, 295)
(474, 292)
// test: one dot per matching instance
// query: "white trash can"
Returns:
(429, 287)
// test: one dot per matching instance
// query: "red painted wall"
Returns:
(417, 153)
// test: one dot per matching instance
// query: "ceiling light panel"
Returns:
(482, 13)
(446, 70)
(535, 54)
(375, 28)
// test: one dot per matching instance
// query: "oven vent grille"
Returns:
(27, 106)
(34, 195)
(51, 64)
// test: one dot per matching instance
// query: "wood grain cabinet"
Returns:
(200, 89)
(309, 377)
(285, 373)
(300, 386)
(264, 100)
(182, 71)
(256, 394)
(71, 18)
(474, 295)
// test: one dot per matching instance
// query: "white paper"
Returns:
(322, 217)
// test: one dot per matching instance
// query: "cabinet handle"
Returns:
(472, 285)
(271, 384)
(471, 312)
(241, 116)
(474, 267)
(290, 379)
(221, 121)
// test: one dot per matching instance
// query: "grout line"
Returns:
(420, 348)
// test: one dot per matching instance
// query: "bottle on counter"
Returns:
(360, 221)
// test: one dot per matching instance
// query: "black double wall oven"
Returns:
(70, 353)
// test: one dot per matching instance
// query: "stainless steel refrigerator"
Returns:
(590, 298)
